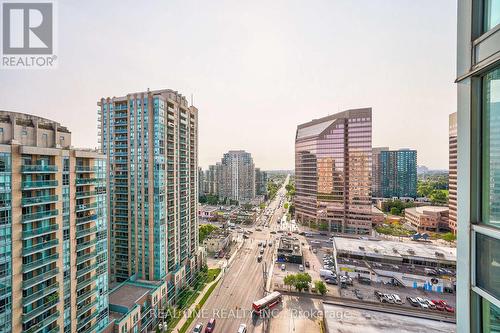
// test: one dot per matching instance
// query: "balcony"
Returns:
(85, 169)
(85, 257)
(85, 245)
(85, 207)
(41, 293)
(88, 194)
(87, 181)
(44, 323)
(38, 168)
(84, 296)
(27, 316)
(86, 219)
(40, 262)
(86, 270)
(40, 247)
(40, 278)
(39, 215)
(85, 232)
(86, 320)
(41, 200)
(27, 234)
(86, 307)
(38, 184)
(85, 282)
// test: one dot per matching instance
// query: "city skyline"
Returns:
(274, 48)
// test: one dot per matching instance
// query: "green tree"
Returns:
(289, 280)
(395, 211)
(302, 281)
(323, 226)
(449, 237)
(205, 230)
(320, 287)
(439, 197)
(285, 205)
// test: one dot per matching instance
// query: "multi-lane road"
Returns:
(243, 280)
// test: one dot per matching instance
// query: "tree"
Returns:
(205, 230)
(285, 205)
(449, 237)
(395, 211)
(289, 280)
(302, 281)
(439, 197)
(323, 226)
(320, 287)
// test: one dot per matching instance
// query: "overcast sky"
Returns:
(256, 69)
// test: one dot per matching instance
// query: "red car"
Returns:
(210, 326)
(439, 306)
(447, 307)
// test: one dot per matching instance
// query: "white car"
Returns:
(301, 268)
(242, 328)
(198, 328)
(283, 267)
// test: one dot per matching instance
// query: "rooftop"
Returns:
(353, 320)
(127, 295)
(427, 209)
(378, 248)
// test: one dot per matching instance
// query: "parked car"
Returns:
(259, 258)
(377, 294)
(210, 326)
(283, 267)
(439, 306)
(307, 264)
(198, 328)
(413, 301)
(301, 268)
(431, 305)
(261, 251)
(389, 298)
(331, 281)
(397, 299)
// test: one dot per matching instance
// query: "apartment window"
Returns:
(490, 316)
(488, 264)
(491, 14)
(491, 149)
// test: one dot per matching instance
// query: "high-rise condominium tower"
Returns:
(260, 182)
(333, 159)
(397, 173)
(376, 176)
(238, 176)
(452, 174)
(151, 141)
(53, 230)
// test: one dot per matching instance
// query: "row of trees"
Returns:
(301, 281)
(396, 207)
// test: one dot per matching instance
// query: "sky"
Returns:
(255, 69)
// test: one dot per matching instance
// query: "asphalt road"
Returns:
(243, 281)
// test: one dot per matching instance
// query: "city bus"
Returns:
(267, 302)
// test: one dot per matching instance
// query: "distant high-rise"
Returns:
(53, 230)
(452, 174)
(237, 180)
(333, 160)
(151, 141)
(212, 181)
(260, 182)
(376, 176)
(201, 181)
(398, 173)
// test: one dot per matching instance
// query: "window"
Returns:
(488, 264)
(491, 14)
(490, 316)
(491, 149)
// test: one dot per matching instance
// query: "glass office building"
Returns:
(151, 141)
(53, 230)
(478, 172)
(333, 160)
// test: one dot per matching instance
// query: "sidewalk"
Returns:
(191, 309)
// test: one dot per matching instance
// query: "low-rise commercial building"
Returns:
(208, 213)
(411, 264)
(428, 218)
(289, 250)
(218, 240)
(378, 217)
(136, 306)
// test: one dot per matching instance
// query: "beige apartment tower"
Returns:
(452, 174)
(53, 230)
